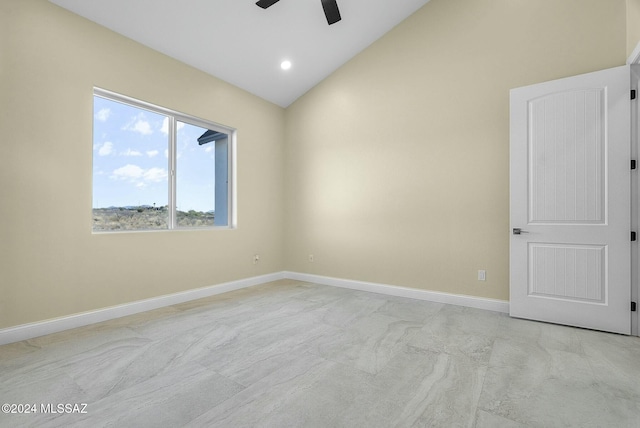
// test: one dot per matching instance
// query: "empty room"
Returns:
(319, 213)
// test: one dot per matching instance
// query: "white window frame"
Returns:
(173, 117)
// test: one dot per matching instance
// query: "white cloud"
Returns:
(140, 125)
(143, 127)
(152, 153)
(155, 175)
(165, 126)
(130, 152)
(106, 149)
(128, 172)
(210, 149)
(166, 153)
(103, 114)
(138, 176)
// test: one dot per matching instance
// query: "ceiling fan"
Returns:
(330, 9)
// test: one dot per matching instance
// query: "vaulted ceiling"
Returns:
(240, 43)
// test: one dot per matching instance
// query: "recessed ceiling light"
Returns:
(285, 65)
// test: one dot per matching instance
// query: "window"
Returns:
(156, 169)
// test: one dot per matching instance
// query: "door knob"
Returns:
(518, 231)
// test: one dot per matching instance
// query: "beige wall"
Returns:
(50, 263)
(633, 25)
(398, 164)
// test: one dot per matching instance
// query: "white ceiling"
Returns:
(239, 42)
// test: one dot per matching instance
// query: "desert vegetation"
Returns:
(146, 218)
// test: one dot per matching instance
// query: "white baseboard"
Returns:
(411, 293)
(41, 328)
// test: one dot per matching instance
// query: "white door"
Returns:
(570, 197)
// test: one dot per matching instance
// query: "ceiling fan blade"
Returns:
(331, 11)
(266, 3)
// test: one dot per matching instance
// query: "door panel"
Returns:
(570, 272)
(570, 193)
(566, 139)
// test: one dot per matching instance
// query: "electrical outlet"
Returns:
(256, 259)
(310, 258)
(482, 275)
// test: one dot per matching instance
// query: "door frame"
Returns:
(634, 62)
(635, 197)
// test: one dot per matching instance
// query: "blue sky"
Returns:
(131, 164)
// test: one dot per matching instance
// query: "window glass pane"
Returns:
(130, 167)
(136, 145)
(201, 176)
